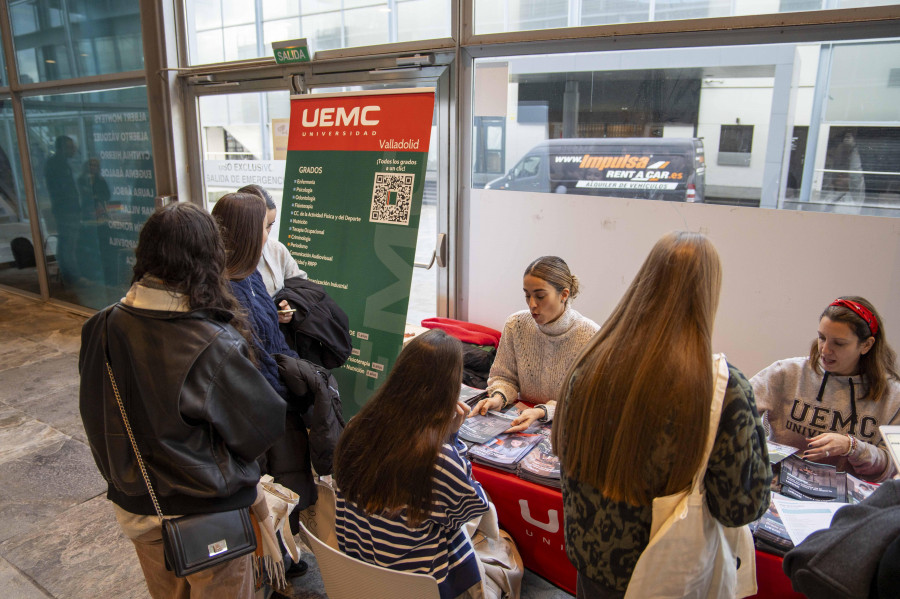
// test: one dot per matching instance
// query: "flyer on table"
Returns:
(354, 179)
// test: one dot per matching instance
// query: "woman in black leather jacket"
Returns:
(200, 410)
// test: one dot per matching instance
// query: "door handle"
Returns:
(440, 250)
(439, 254)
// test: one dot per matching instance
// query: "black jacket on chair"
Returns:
(320, 411)
(200, 410)
(319, 330)
(323, 415)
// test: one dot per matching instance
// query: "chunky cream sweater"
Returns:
(533, 359)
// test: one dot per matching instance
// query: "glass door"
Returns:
(243, 140)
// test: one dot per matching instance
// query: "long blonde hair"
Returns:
(647, 373)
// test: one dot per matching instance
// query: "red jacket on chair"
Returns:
(465, 331)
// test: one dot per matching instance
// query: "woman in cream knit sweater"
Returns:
(538, 344)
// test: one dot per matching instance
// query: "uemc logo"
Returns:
(339, 117)
(552, 523)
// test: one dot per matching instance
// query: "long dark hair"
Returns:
(240, 217)
(180, 245)
(387, 454)
(258, 190)
(647, 373)
(877, 364)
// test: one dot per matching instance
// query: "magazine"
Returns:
(779, 451)
(470, 395)
(505, 451)
(770, 534)
(536, 427)
(481, 429)
(804, 480)
(810, 483)
(541, 465)
(891, 435)
(857, 490)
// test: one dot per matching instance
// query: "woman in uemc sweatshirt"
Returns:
(830, 404)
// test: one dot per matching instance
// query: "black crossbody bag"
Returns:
(198, 541)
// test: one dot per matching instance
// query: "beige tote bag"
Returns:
(498, 557)
(691, 554)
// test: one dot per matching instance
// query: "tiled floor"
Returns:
(58, 536)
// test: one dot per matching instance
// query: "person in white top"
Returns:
(538, 345)
(276, 263)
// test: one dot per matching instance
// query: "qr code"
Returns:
(392, 198)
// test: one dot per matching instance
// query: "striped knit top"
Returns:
(438, 546)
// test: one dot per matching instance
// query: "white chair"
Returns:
(349, 578)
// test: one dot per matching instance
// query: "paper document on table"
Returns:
(802, 518)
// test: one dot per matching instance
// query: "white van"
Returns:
(654, 168)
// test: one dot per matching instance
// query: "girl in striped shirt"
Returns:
(403, 490)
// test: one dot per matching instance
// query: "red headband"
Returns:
(860, 311)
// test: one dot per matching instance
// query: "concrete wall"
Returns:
(731, 101)
(781, 268)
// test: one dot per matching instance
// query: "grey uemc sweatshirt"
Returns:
(796, 406)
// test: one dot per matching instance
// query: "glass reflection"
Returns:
(496, 16)
(808, 127)
(94, 179)
(4, 78)
(63, 39)
(244, 139)
(17, 256)
(227, 30)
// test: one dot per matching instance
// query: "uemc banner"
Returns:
(354, 179)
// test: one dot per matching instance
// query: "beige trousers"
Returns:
(231, 580)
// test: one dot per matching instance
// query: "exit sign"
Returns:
(290, 51)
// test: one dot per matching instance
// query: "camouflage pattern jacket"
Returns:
(605, 538)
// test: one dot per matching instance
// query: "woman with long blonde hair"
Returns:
(633, 417)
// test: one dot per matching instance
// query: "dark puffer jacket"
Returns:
(200, 410)
(319, 410)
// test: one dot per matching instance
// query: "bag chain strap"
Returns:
(134, 446)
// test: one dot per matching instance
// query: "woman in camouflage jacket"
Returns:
(633, 416)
